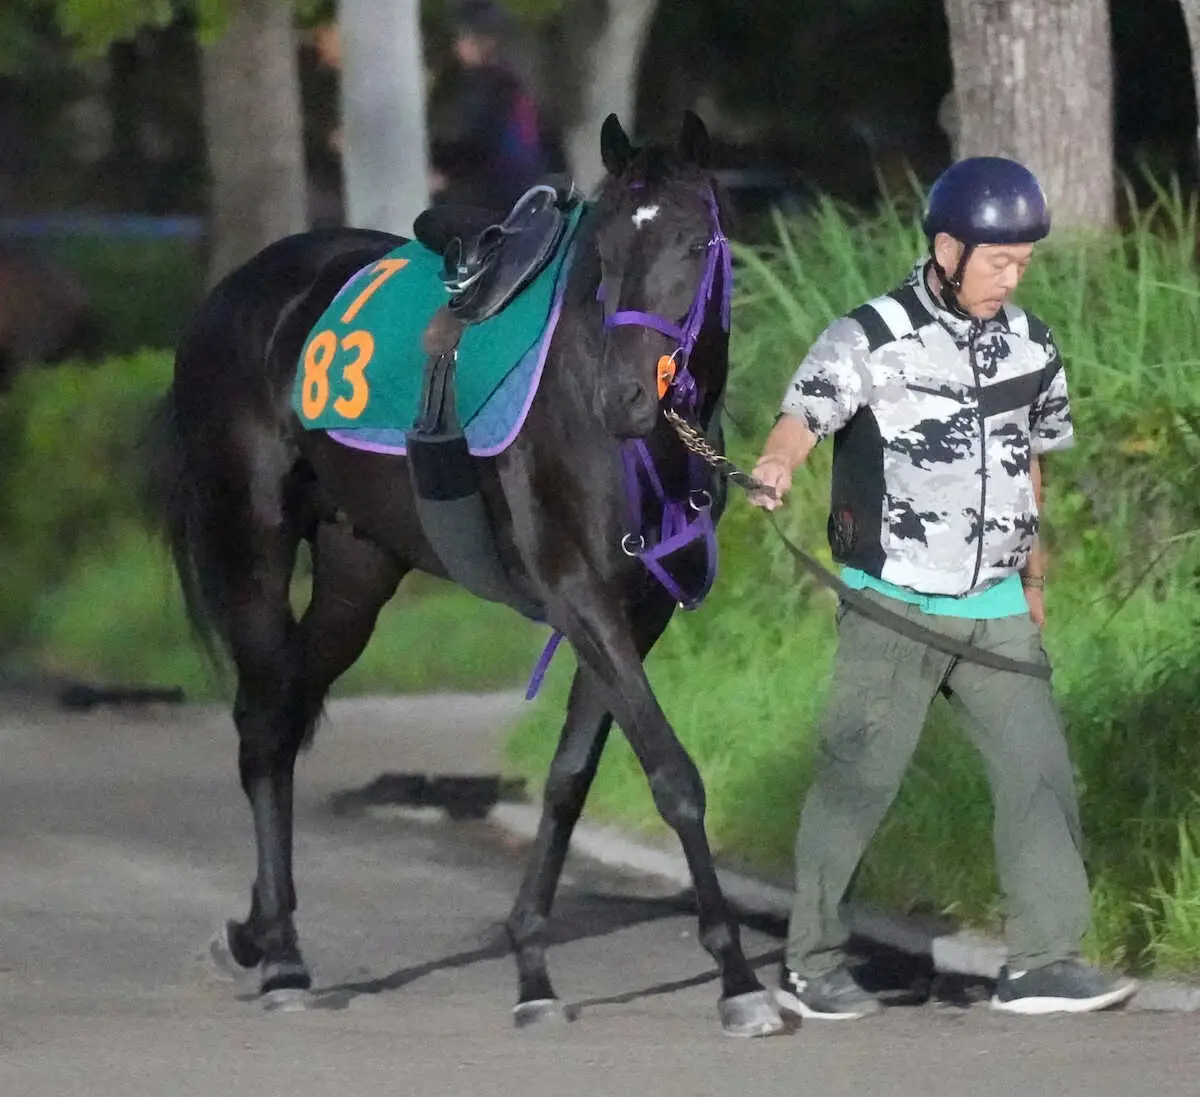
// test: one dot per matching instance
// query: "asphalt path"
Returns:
(125, 841)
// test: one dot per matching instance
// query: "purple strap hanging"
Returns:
(543, 664)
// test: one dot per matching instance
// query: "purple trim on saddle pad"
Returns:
(347, 438)
(350, 281)
(522, 381)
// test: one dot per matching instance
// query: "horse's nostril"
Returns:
(631, 393)
(628, 408)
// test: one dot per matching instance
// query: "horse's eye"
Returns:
(699, 246)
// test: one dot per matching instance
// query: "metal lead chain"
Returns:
(703, 448)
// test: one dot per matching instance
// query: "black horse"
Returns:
(245, 484)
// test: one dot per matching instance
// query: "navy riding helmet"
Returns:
(988, 200)
(983, 200)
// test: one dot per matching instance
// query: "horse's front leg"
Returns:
(580, 746)
(604, 641)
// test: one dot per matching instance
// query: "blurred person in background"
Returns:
(488, 147)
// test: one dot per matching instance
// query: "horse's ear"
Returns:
(693, 139)
(615, 148)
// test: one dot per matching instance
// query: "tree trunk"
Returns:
(609, 83)
(1191, 16)
(1033, 80)
(385, 157)
(252, 123)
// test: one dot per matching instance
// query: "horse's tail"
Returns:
(168, 500)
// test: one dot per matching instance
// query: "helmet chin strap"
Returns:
(951, 284)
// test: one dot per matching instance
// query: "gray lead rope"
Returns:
(699, 445)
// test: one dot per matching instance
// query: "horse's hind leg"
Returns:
(580, 746)
(285, 671)
(260, 629)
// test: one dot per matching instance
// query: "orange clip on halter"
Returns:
(666, 374)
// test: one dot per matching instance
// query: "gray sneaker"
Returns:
(1066, 986)
(833, 997)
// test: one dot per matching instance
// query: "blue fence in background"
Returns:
(112, 225)
(748, 186)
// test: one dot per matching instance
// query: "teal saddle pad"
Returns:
(362, 366)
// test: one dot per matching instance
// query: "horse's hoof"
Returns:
(286, 1000)
(539, 1010)
(221, 956)
(284, 975)
(753, 1014)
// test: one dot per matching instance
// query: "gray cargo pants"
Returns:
(883, 685)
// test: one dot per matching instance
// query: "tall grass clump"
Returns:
(743, 679)
(70, 471)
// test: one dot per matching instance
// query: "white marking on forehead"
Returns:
(644, 214)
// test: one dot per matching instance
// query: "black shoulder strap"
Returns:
(877, 332)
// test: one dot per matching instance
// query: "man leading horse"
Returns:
(941, 397)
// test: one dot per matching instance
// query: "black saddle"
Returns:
(437, 226)
(485, 262)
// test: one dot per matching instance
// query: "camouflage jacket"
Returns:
(934, 421)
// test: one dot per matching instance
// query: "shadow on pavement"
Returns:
(899, 978)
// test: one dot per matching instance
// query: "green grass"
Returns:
(118, 617)
(744, 678)
(445, 639)
(68, 472)
(1173, 913)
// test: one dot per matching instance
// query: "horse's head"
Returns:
(664, 270)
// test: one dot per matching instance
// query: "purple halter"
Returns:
(689, 518)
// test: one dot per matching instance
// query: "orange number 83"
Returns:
(319, 357)
(323, 347)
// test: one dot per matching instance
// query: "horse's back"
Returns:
(253, 322)
(303, 254)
